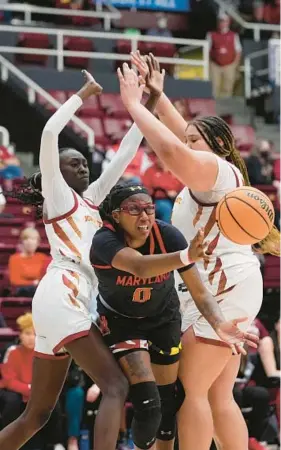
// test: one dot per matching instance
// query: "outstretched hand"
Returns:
(130, 89)
(197, 247)
(91, 86)
(234, 337)
(150, 72)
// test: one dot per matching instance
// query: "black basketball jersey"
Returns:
(125, 293)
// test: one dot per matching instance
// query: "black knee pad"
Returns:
(172, 397)
(147, 413)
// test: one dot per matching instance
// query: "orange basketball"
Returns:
(245, 216)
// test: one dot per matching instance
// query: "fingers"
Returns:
(239, 320)
(240, 349)
(155, 62)
(150, 66)
(120, 75)
(198, 239)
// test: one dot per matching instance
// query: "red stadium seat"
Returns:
(272, 272)
(116, 129)
(60, 96)
(13, 307)
(90, 107)
(244, 136)
(113, 106)
(33, 40)
(201, 107)
(96, 125)
(77, 44)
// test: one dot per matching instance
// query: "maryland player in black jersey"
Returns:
(134, 256)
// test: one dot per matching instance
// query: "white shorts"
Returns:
(244, 300)
(60, 311)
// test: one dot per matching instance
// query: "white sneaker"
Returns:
(59, 447)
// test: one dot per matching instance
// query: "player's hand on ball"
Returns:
(197, 248)
(234, 337)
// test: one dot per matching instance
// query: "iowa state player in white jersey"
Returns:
(198, 154)
(62, 301)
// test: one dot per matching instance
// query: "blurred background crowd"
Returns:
(222, 57)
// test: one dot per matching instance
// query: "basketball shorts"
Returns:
(244, 300)
(61, 311)
(159, 335)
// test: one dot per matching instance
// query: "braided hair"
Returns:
(116, 196)
(30, 192)
(219, 137)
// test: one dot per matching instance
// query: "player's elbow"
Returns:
(139, 268)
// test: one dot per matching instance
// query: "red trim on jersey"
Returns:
(90, 203)
(109, 225)
(97, 266)
(159, 238)
(64, 216)
(70, 338)
(236, 177)
(133, 344)
(213, 204)
(151, 244)
(53, 357)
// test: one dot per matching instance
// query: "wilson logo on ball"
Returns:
(264, 205)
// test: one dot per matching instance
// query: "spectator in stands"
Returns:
(267, 371)
(17, 377)
(225, 55)
(74, 405)
(271, 12)
(163, 187)
(9, 164)
(161, 28)
(260, 164)
(26, 268)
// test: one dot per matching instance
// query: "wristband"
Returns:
(185, 258)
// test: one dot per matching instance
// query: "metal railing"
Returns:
(28, 10)
(256, 27)
(248, 70)
(272, 69)
(61, 53)
(6, 67)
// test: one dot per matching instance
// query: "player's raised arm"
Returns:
(166, 111)
(197, 170)
(55, 190)
(98, 190)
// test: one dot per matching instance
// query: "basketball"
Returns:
(245, 216)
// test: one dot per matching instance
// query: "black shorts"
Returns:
(160, 335)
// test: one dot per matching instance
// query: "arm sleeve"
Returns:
(175, 241)
(56, 192)
(98, 190)
(9, 375)
(105, 246)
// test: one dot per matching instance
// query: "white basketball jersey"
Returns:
(70, 236)
(229, 262)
